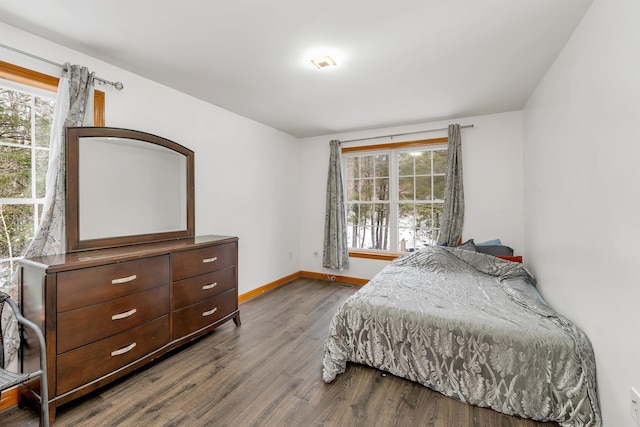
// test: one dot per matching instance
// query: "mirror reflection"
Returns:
(129, 187)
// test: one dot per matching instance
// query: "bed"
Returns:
(470, 326)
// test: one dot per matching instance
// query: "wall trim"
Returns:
(269, 286)
(334, 278)
(309, 274)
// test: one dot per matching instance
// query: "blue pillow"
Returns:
(494, 242)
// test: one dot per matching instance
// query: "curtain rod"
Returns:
(402, 134)
(117, 85)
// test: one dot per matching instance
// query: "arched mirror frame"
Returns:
(74, 241)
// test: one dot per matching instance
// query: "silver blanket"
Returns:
(467, 325)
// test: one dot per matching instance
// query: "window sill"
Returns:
(374, 255)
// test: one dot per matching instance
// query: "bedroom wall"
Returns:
(581, 180)
(492, 161)
(243, 168)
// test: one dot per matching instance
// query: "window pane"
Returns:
(364, 233)
(428, 229)
(43, 118)
(366, 167)
(405, 188)
(352, 164)
(15, 172)
(406, 217)
(353, 231)
(405, 164)
(42, 162)
(382, 165)
(352, 214)
(439, 161)
(438, 187)
(380, 227)
(382, 189)
(423, 188)
(406, 227)
(352, 236)
(366, 190)
(423, 163)
(19, 229)
(424, 213)
(365, 238)
(15, 117)
(352, 190)
(362, 230)
(437, 218)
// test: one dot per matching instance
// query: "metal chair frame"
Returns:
(9, 379)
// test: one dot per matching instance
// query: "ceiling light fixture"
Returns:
(324, 62)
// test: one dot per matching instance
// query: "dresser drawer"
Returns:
(199, 261)
(195, 289)
(199, 315)
(95, 322)
(87, 286)
(92, 361)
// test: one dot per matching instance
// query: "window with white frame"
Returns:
(26, 113)
(394, 195)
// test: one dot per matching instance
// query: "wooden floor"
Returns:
(267, 372)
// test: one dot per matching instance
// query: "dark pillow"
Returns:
(495, 250)
(468, 246)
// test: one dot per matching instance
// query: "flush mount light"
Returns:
(324, 62)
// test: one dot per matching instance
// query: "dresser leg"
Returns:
(236, 319)
(52, 414)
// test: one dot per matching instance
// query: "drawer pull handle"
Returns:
(210, 312)
(123, 315)
(210, 286)
(123, 350)
(208, 260)
(124, 280)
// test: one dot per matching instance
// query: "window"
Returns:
(394, 195)
(25, 125)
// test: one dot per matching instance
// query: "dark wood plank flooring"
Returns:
(267, 372)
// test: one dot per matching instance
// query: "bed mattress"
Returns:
(472, 327)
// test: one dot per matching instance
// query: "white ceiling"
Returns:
(400, 61)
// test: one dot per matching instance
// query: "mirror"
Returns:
(126, 187)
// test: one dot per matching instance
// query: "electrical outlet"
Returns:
(635, 405)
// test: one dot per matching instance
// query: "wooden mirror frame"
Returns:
(72, 214)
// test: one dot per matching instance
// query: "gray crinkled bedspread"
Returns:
(464, 324)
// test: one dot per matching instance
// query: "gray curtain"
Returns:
(74, 89)
(336, 250)
(453, 209)
(71, 105)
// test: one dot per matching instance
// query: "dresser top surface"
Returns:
(69, 261)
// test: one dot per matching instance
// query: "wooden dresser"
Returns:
(107, 312)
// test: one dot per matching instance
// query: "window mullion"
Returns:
(393, 201)
(32, 123)
(33, 162)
